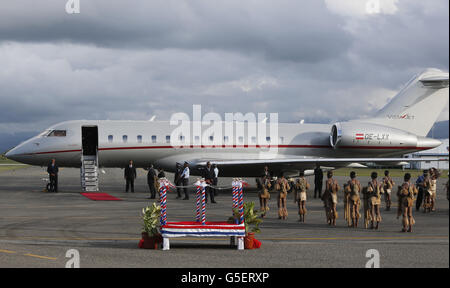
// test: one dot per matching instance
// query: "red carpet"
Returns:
(97, 196)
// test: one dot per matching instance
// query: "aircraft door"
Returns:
(89, 140)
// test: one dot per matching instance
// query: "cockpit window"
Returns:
(45, 133)
(57, 133)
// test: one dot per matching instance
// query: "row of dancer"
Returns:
(354, 195)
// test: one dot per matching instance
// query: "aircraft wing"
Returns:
(253, 167)
(320, 161)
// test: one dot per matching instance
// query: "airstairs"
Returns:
(89, 173)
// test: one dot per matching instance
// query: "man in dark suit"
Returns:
(209, 179)
(151, 175)
(318, 181)
(421, 187)
(52, 170)
(130, 175)
(177, 180)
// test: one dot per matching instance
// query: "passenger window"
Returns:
(139, 139)
(125, 138)
(110, 138)
(241, 139)
(268, 139)
(153, 138)
(168, 139)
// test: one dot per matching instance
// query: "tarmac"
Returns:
(39, 229)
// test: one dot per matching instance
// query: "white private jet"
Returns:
(397, 129)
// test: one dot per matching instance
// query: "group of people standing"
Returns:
(282, 186)
(130, 176)
(354, 195)
(182, 174)
(210, 174)
(423, 192)
(427, 190)
(181, 179)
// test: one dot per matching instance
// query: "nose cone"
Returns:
(14, 154)
(20, 154)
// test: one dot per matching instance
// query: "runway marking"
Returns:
(41, 257)
(8, 251)
(262, 238)
(28, 254)
(361, 238)
(69, 239)
(66, 217)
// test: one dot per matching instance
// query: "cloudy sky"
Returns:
(313, 60)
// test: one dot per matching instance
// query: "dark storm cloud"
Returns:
(134, 59)
(286, 30)
(405, 42)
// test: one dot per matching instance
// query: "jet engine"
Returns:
(362, 135)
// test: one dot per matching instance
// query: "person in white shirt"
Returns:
(216, 171)
(216, 178)
(185, 180)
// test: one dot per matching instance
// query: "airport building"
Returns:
(438, 152)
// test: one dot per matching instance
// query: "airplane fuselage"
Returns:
(241, 145)
(147, 142)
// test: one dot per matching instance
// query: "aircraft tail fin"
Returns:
(418, 104)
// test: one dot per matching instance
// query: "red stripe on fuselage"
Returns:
(243, 146)
(268, 146)
(54, 152)
(215, 146)
(385, 147)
